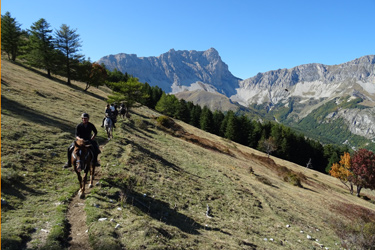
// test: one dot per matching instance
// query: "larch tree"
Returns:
(68, 42)
(268, 145)
(342, 171)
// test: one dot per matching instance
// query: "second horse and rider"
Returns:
(111, 112)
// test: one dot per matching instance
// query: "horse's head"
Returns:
(81, 154)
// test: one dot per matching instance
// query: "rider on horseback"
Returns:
(110, 113)
(84, 131)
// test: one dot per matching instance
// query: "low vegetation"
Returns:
(164, 183)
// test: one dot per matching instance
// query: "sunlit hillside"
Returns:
(158, 187)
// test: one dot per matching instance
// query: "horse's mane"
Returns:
(80, 144)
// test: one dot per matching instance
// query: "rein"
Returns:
(78, 159)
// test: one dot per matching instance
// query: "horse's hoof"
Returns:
(90, 186)
(81, 195)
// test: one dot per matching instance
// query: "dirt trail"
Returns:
(76, 215)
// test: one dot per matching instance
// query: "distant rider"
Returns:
(86, 131)
(108, 110)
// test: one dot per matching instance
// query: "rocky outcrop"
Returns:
(177, 71)
(310, 81)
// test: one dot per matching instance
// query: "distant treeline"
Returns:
(287, 144)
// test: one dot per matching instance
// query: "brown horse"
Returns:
(82, 159)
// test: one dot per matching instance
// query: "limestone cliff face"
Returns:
(177, 71)
(312, 85)
(310, 81)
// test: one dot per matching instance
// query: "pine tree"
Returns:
(244, 129)
(182, 112)
(129, 92)
(68, 42)
(167, 105)
(232, 128)
(217, 118)
(206, 121)
(11, 36)
(40, 49)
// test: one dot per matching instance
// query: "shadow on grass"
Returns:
(161, 211)
(163, 161)
(12, 244)
(57, 80)
(20, 110)
(4, 83)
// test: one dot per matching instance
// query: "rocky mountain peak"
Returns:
(176, 71)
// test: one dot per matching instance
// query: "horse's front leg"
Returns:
(82, 195)
(92, 173)
(81, 185)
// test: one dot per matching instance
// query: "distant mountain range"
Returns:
(314, 98)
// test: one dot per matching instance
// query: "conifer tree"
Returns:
(244, 129)
(40, 49)
(206, 121)
(195, 115)
(129, 92)
(182, 112)
(167, 105)
(342, 171)
(11, 36)
(217, 118)
(68, 42)
(232, 128)
(255, 134)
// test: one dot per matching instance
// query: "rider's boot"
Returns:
(68, 164)
(96, 163)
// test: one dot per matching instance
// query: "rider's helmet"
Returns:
(85, 115)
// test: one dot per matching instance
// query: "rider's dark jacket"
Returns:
(84, 132)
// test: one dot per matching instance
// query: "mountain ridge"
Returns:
(302, 89)
(176, 71)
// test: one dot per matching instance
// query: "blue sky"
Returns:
(250, 36)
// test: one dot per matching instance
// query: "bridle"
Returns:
(79, 154)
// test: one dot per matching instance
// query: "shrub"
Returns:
(141, 124)
(164, 121)
(293, 179)
(357, 235)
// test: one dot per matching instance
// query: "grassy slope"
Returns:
(156, 183)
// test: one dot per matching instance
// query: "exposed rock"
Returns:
(177, 71)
